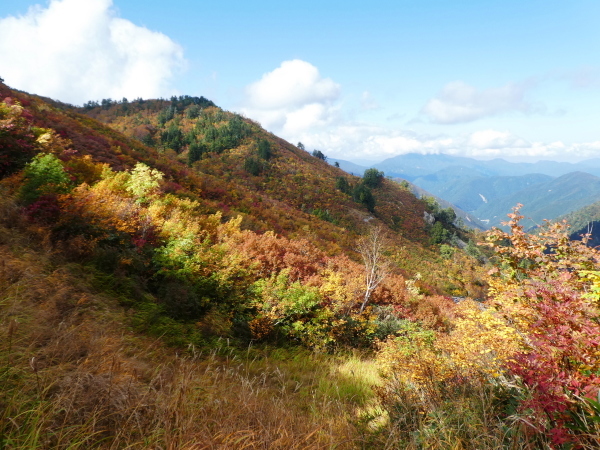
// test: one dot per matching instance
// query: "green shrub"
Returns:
(196, 150)
(438, 233)
(253, 166)
(447, 251)
(44, 175)
(319, 154)
(342, 184)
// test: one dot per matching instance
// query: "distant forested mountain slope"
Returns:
(348, 166)
(488, 189)
(472, 193)
(546, 200)
(584, 221)
(468, 219)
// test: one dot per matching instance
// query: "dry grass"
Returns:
(72, 375)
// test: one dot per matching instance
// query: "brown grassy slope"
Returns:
(73, 375)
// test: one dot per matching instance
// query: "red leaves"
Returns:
(540, 286)
(563, 342)
(17, 142)
(269, 254)
(45, 210)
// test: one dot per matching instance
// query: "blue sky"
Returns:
(358, 80)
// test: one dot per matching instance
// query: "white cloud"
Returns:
(297, 103)
(493, 139)
(583, 77)
(350, 140)
(355, 141)
(459, 102)
(78, 50)
(292, 98)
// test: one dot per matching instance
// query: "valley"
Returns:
(485, 191)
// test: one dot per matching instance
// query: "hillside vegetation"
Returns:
(176, 277)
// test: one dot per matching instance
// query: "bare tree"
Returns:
(377, 266)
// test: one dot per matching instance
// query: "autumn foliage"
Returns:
(196, 246)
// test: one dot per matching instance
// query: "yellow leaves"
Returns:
(341, 282)
(481, 339)
(480, 345)
(593, 277)
(261, 327)
(86, 169)
(334, 287)
(143, 180)
(44, 138)
(101, 207)
(228, 229)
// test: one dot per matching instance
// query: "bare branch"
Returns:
(377, 267)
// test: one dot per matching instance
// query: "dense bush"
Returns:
(18, 139)
(44, 175)
(372, 178)
(362, 194)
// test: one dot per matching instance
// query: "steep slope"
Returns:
(546, 200)
(293, 178)
(285, 190)
(81, 370)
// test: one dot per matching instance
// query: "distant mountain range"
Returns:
(414, 165)
(473, 192)
(347, 166)
(489, 189)
(546, 200)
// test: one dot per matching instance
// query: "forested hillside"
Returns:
(173, 276)
(545, 200)
(476, 192)
(584, 222)
(489, 189)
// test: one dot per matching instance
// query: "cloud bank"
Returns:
(355, 141)
(79, 50)
(297, 103)
(459, 102)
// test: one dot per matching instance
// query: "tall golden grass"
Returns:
(72, 375)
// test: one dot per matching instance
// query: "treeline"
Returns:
(178, 102)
